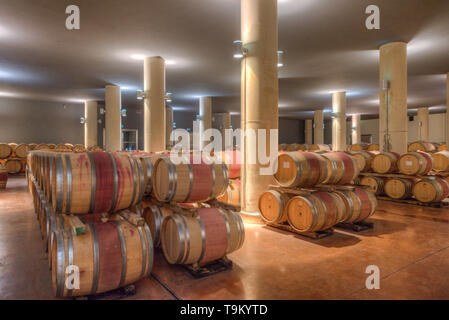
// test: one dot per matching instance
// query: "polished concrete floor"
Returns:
(409, 245)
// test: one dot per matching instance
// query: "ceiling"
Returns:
(326, 44)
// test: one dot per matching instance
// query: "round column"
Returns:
(308, 132)
(339, 121)
(91, 123)
(260, 92)
(393, 127)
(318, 130)
(168, 125)
(113, 119)
(154, 105)
(356, 132)
(423, 124)
(205, 117)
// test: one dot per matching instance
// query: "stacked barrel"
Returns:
(302, 202)
(232, 161)
(404, 177)
(189, 230)
(82, 201)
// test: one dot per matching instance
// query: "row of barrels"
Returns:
(13, 165)
(14, 150)
(426, 190)
(318, 210)
(426, 146)
(307, 169)
(304, 147)
(364, 147)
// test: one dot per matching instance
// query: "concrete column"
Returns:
(423, 124)
(356, 131)
(260, 93)
(447, 111)
(339, 121)
(168, 124)
(154, 106)
(205, 116)
(393, 128)
(318, 130)
(113, 119)
(222, 121)
(91, 123)
(308, 131)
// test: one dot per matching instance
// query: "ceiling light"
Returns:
(137, 56)
(123, 113)
(170, 62)
(82, 120)
(280, 59)
(141, 95)
(168, 97)
(239, 51)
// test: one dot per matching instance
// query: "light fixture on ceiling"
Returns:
(137, 56)
(239, 50)
(170, 62)
(141, 95)
(280, 58)
(82, 120)
(102, 111)
(385, 85)
(99, 121)
(168, 97)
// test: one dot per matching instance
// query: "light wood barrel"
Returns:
(3, 176)
(95, 182)
(296, 147)
(233, 163)
(399, 188)
(231, 194)
(79, 148)
(442, 147)
(282, 147)
(421, 146)
(431, 190)
(441, 161)
(61, 147)
(202, 239)
(95, 149)
(342, 168)
(42, 147)
(386, 162)
(375, 184)
(415, 163)
(154, 217)
(14, 165)
(5, 150)
(272, 204)
(110, 255)
(360, 204)
(21, 150)
(300, 169)
(373, 147)
(320, 147)
(314, 212)
(188, 182)
(357, 147)
(365, 159)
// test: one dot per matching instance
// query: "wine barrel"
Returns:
(188, 181)
(69, 146)
(231, 194)
(375, 184)
(300, 169)
(365, 159)
(272, 204)
(233, 162)
(14, 165)
(31, 146)
(61, 147)
(95, 149)
(79, 148)
(51, 146)
(3, 176)
(296, 147)
(399, 188)
(282, 147)
(202, 239)
(21, 150)
(110, 255)
(315, 212)
(357, 147)
(441, 161)
(42, 147)
(320, 147)
(95, 182)
(415, 163)
(386, 162)
(421, 146)
(442, 147)
(373, 147)
(431, 190)
(154, 217)
(360, 204)
(342, 168)
(5, 150)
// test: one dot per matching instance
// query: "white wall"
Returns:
(437, 128)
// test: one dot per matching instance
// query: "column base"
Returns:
(252, 217)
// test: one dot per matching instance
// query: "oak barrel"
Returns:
(357, 147)
(386, 162)
(3, 176)
(14, 165)
(415, 163)
(231, 194)
(432, 189)
(109, 255)
(300, 169)
(232, 160)
(342, 168)
(21, 151)
(373, 147)
(399, 188)
(365, 159)
(272, 204)
(202, 239)
(154, 217)
(188, 181)
(5, 150)
(314, 212)
(421, 146)
(375, 184)
(441, 161)
(320, 147)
